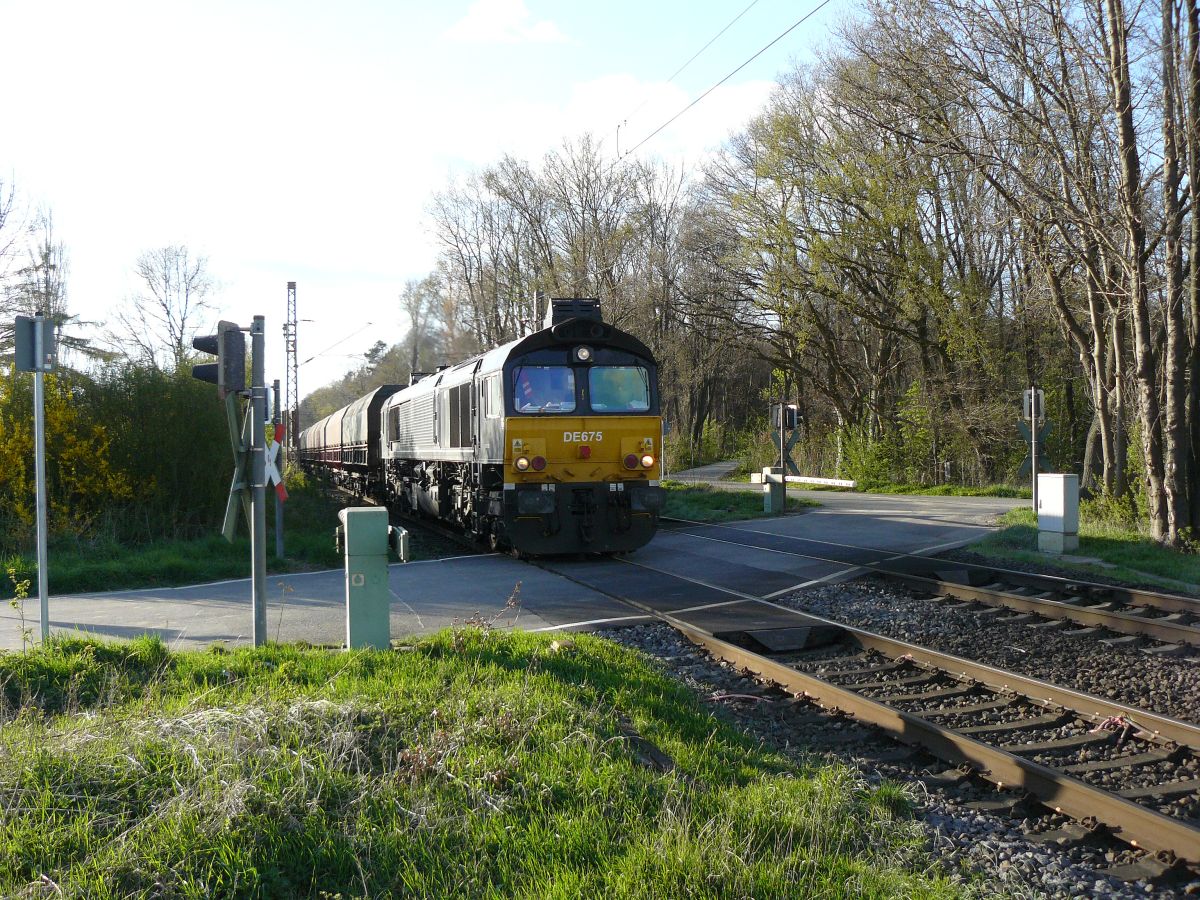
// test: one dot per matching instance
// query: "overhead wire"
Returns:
(711, 41)
(338, 343)
(804, 18)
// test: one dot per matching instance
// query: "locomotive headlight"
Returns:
(647, 461)
(521, 463)
(583, 354)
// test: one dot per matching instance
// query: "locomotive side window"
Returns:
(493, 397)
(460, 415)
(549, 389)
(619, 388)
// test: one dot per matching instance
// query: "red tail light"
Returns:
(631, 461)
(539, 463)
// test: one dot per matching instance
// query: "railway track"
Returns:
(1077, 755)
(1172, 620)
(1114, 769)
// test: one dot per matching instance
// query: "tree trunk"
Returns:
(1135, 232)
(1175, 360)
(1192, 133)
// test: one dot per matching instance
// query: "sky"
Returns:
(302, 141)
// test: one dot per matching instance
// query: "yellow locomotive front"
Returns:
(583, 443)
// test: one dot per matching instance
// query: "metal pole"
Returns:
(278, 505)
(39, 431)
(781, 435)
(1033, 444)
(258, 472)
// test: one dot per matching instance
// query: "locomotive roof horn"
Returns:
(562, 309)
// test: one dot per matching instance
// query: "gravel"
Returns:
(1168, 685)
(988, 854)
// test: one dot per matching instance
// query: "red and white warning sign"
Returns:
(273, 475)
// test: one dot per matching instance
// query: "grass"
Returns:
(310, 517)
(1130, 555)
(469, 764)
(702, 503)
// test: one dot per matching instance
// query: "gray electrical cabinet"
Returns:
(1058, 512)
(365, 538)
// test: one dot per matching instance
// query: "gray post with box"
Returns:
(774, 491)
(365, 537)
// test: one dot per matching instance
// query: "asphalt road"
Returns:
(680, 569)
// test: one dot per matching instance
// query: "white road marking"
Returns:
(272, 575)
(692, 580)
(745, 597)
(691, 609)
(902, 555)
(593, 622)
(822, 580)
(948, 545)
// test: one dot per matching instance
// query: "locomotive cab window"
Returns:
(544, 389)
(619, 388)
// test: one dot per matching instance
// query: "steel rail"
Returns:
(1043, 693)
(1120, 622)
(1140, 827)
(1130, 596)
(1086, 706)
(1114, 620)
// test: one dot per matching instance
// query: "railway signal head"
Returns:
(228, 345)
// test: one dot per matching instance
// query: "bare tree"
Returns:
(40, 286)
(9, 233)
(9, 226)
(419, 300)
(169, 306)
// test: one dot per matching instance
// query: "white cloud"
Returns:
(503, 22)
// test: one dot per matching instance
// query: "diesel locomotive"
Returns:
(548, 444)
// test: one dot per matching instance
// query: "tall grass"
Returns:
(470, 764)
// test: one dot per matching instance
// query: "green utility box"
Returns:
(365, 538)
(774, 491)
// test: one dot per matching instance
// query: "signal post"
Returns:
(258, 481)
(228, 373)
(33, 349)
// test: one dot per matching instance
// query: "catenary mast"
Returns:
(292, 405)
